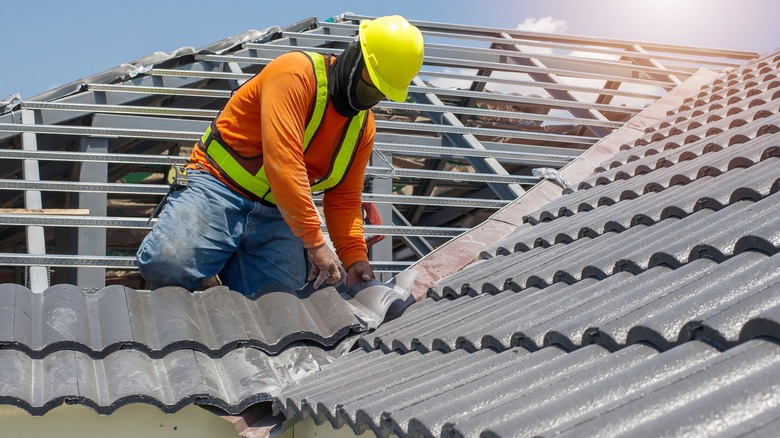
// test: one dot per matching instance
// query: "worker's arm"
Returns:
(344, 214)
(284, 104)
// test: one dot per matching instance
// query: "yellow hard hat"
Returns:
(393, 53)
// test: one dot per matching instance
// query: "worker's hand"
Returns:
(325, 266)
(359, 271)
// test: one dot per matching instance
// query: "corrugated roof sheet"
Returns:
(644, 303)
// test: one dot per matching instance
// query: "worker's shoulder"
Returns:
(292, 60)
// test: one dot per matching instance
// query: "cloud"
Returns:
(542, 24)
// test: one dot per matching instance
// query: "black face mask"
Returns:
(348, 90)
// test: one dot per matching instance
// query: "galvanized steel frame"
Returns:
(453, 151)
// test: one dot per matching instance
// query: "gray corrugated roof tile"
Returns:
(469, 369)
(677, 201)
(767, 321)
(678, 124)
(737, 101)
(672, 318)
(239, 379)
(635, 390)
(495, 325)
(419, 311)
(521, 371)
(530, 324)
(588, 198)
(472, 279)
(171, 347)
(353, 403)
(764, 425)
(331, 374)
(214, 321)
(689, 151)
(727, 390)
(482, 389)
(761, 308)
(661, 305)
(598, 392)
(527, 411)
(537, 270)
(731, 186)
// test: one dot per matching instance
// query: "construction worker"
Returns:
(302, 125)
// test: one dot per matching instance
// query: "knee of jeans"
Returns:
(148, 268)
(162, 267)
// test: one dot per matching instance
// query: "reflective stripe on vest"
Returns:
(256, 185)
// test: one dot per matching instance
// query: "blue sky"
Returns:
(50, 43)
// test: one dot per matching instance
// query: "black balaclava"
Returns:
(349, 91)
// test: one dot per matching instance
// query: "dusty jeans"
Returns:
(208, 229)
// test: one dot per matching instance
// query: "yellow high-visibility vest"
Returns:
(256, 185)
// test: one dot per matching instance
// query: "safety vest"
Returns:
(236, 168)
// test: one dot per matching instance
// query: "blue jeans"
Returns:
(208, 229)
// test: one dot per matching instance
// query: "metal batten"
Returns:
(475, 64)
(170, 160)
(79, 186)
(442, 151)
(122, 109)
(568, 59)
(439, 91)
(451, 62)
(68, 261)
(673, 48)
(383, 104)
(495, 113)
(141, 223)
(107, 158)
(525, 42)
(124, 262)
(471, 78)
(118, 109)
(428, 200)
(499, 52)
(199, 74)
(100, 132)
(194, 136)
(557, 103)
(156, 189)
(564, 87)
(196, 92)
(451, 176)
(590, 48)
(427, 127)
(438, 151)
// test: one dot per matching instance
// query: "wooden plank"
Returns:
(57, 211)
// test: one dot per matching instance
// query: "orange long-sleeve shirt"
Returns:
(267, 116)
